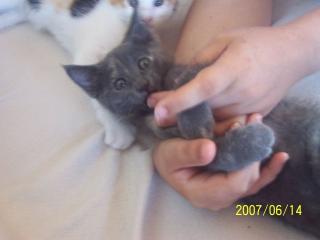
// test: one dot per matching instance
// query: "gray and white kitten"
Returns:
(88, 30)
(122, 81)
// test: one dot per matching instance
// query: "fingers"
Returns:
(221, 127)
(269, 172)
(153, 101)
(210, 81)
(253, 118)
(176, 161)
(156, 97)
(176, 154)
(240, 181)
(220, 190)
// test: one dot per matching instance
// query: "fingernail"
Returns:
(206, 153)
(161, 114)
(235, 126)
(286, 158)
(259, 117)
(151, 102)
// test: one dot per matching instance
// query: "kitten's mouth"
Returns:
(145, 109)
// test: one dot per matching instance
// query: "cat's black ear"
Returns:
(139, 32)
(84, 76)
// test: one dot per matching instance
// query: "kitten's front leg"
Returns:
(243, 146)
(118, 135)
(196, 122)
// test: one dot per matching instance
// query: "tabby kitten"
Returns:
(122, 81)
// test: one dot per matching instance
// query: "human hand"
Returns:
(178, 162)
(253, 70)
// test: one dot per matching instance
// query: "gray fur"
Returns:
(242, 146)
(122, 81)
(293, 126)
(34, 3)
(238, 148)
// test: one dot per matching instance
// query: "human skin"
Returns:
(248, 63)
(177, 160)
(207, 19)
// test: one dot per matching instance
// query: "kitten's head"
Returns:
(123, 80)
(153, 12)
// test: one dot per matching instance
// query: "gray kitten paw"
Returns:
(196, 122)
(243, 146)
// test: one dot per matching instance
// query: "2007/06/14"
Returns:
(268, 210)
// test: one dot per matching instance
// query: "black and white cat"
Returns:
(122, 81)
(88, 30)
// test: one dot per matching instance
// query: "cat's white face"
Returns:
(153, 12)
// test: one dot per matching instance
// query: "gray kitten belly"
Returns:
(297, 128)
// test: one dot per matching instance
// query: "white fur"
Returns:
(88, 39)
(12, 12)
(10, 18)
(158, 15)
(150, 13)
(10, 4)
(120, 135)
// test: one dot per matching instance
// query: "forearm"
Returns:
(208, 18)
(307, 44)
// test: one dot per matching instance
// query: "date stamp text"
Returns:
(277, 210)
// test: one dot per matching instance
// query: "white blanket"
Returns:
(58, 181)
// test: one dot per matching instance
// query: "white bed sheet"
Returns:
(59, 181)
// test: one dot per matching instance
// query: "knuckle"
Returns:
(208, 86)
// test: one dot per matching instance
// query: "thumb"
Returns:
(214, 50)
(209, 82)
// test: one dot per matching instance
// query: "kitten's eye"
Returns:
(133, 3)
(120, 84)
(144, 63)
(158, 3)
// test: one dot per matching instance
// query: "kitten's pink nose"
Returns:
(148, 20)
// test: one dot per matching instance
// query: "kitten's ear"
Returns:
(138, 31)
(85, 77)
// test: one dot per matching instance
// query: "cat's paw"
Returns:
(119, 138)
(196, 122)
(243, 146)
(118, 135)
